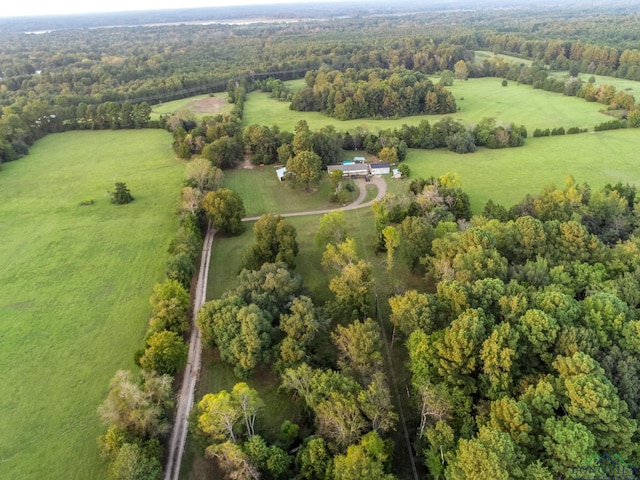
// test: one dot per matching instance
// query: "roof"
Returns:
(348, 168)
(280, 172)
(380, 165)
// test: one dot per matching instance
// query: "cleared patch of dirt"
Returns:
(210, 105)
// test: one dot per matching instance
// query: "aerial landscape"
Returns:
(321, 241)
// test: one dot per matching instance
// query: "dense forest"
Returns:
(60, 79)
(523, 337)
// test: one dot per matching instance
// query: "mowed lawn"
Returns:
(507, 175)
(76, 282)
(262, 192)
(476, 98)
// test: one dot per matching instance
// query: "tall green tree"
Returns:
(225, 209)
(359, 349)
(303, 170)
(138, 403)
(275, 241)
(165, 353)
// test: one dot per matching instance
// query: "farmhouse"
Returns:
(380, 168)
(353, 170)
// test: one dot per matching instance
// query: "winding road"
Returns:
(192, 370)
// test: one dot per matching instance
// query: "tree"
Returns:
(202, 175)
(490, 455)
(250, 346)
(170, 304)
(271, 288)
(461, 70)
(333, 228)
(566, 443)
(225, 209)
(352, 288)
(367, 460)
(339, 418)
(300, 327)
(249, 402)
(122, 195)
(337, 256)
(233, 461)
(446, 78)
(223, 152)
(275, 241)
(414, 311)
(391, 241)
(375, 403)
(138, 404)
(590, 399)
(217, 414)
(133, 463)
(303, 170)
(314, 460)
(359, 346)
(166, 353)
(242, 332)
(416, 236)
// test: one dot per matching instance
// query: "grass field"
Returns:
(76, 281)
(507, 175)
(263, 193)
(199, 105)
(476, 98)
(482, 55)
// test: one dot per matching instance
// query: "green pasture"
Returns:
(630, 86)
(476, 98)
(507, 175)
(482, 55)
(262, 192)
(76, 283)
(169, 108)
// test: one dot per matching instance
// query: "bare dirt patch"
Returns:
(209, 105)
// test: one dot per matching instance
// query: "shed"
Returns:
(359, 159)
(396, 173)
(355, 170)
(380, 168)
(281, 173)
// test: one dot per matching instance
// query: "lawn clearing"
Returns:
(200, 106)
(76, 285)
(482, 55)
(476, 98)
(262, 192)
(507, 175)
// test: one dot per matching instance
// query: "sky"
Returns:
(14, 8)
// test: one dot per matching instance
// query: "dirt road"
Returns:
(192, 370)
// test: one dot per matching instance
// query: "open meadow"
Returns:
(199, 106)
(476, 98)
(76, 282)
(506, 176)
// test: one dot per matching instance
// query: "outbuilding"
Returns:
(380, 168)
(281, 173)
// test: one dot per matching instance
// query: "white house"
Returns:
(354, 170)
(380, 168)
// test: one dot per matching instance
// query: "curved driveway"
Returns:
(378, 181)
